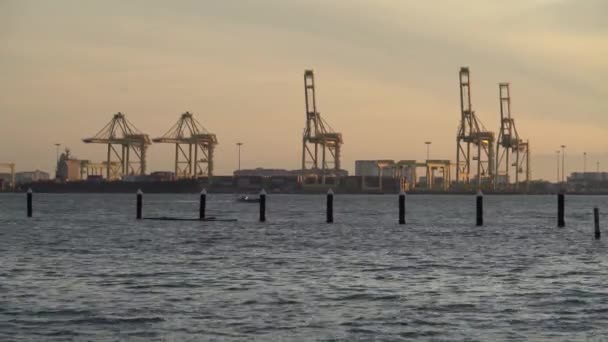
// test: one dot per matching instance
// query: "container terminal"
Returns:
(484, 161)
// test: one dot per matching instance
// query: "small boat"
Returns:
(247, 199)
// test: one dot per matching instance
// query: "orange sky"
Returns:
(386, 72)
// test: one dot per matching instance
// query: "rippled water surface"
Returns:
(84, 269)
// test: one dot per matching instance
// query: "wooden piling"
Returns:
(30, 207)
(596, 219)
(330, 206)
(140, 196)
(203, 205)
(402, 207)
(263, 205)
(560, 210)
(479, 209)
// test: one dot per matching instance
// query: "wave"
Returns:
(93, 320)
(168, 285)
(365, 296)
(116, 320)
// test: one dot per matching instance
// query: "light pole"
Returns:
(239, 144)
(563, 163)
(584, 162)
(428, 150)
(558, 178)
(598, 166)
(57, 159)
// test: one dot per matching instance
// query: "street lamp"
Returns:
(57, 148)
(584, 162)
(558, 178)
(239, 144)
(563, 163)
(428, 150)
(57, 159)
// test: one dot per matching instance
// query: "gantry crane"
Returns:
(318, 135)
(10, 166)
(472, 132)
(511, 151)
(126, 144)
(197, 160)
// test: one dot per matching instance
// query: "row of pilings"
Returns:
(479, 212)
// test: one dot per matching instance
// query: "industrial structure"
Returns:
(320, 145)
(444, 169)
(512, 151)
(475, 144)
(89, 169)
(378, 171)
(480, 164)
(71, 169)
(11, 167)
(588, 182)
(194, 147)
(27, 177)
(438, 176)
(126, 145)
(68, 168)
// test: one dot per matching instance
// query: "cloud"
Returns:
(588, 16)
(387, 69)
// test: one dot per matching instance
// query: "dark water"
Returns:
(84, 269)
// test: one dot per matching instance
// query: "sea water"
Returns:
(84, 269)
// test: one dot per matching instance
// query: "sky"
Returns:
(386, 74)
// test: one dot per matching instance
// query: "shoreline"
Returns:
(250, 192)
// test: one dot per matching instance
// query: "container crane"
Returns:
(126, 145)
(194, 147)
(321, 146)
(511, 151)
(472, 133)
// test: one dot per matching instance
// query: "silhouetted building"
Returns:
(5, 181)
(163, 176)
(31, 177)
(588, 177)
(588, 181)
(261, 172)
(367, 168)
(68, 168)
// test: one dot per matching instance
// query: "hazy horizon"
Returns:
(386, 73)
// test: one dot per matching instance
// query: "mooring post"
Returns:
(30, 208)
(479, 208)
(263, 205)
(140, 201)
(330, 206)
(596, 219)
(560, 210)
(402, 207)
(203, 205)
